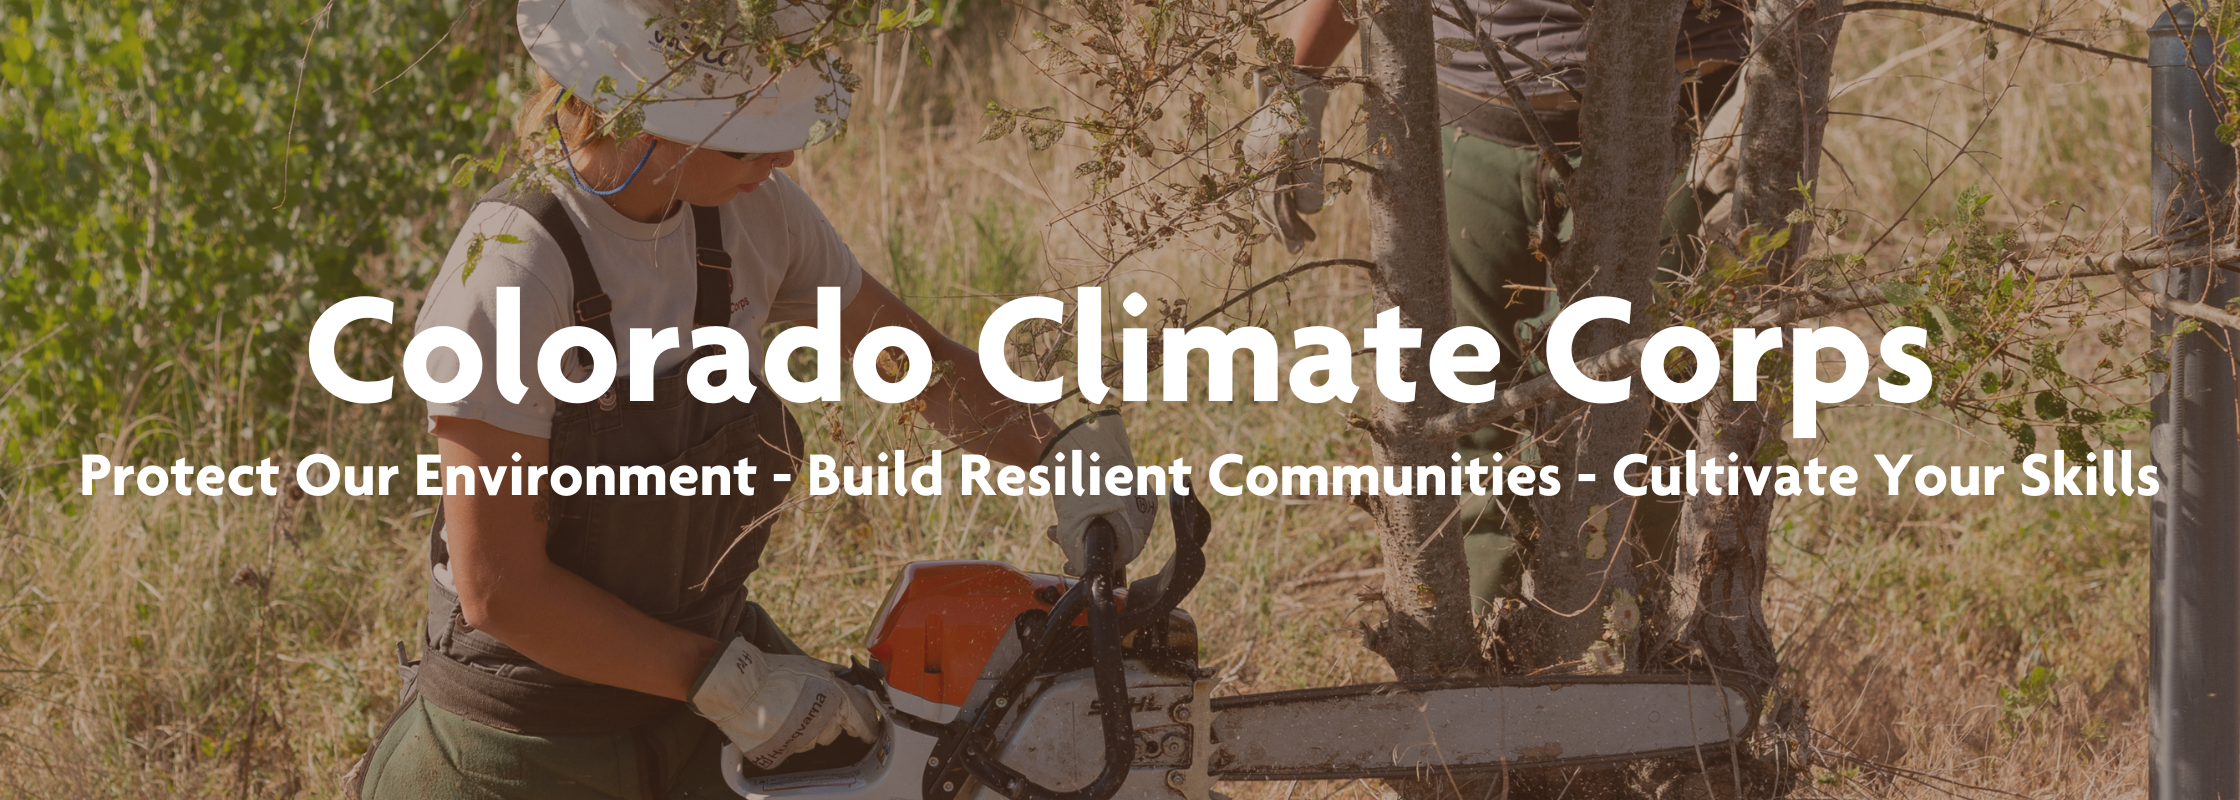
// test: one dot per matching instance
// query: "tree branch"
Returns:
(1348, 164)
(2164, 302)
(1279, 278)
(1620, 360)
(1969, 16)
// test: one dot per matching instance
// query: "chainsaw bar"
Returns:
(1399, 730)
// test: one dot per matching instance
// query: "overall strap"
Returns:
(712, 305)
(591, 304)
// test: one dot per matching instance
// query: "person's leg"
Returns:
(1656, 520)
(1492, 211)
(428, 752)
(433, 753)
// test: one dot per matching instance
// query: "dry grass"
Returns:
(1995, 642)
(132, 660)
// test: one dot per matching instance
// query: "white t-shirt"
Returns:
(782, 249)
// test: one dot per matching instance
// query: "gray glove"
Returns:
(1103, 435)
(1287, 130)
(773, 706)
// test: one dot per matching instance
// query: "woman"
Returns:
(603, 647)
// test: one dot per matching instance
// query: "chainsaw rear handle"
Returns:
(971, 750)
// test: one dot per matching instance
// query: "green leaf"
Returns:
(2132, 413)
(2071, 439)
(1722, 261)
(1042, 137)
(2051, 406)
(1945, 328)
(1760, 246)
(2025, 439)
(998, 128)
(474, 257)
(1900, 294)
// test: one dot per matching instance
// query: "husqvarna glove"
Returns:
(1288, 130)
(773, 706)
(1100, 442)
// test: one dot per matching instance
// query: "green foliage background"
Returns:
(180, 180)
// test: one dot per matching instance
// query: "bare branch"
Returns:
(1969, 16)
(2164, 302)
(1279, 278)
(1347, 163)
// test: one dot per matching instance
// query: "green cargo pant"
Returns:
(428, 753)
(1492, 212)
(432, 753)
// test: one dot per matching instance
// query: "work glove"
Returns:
(1099, 434)
(773, 705)
(1287, 129)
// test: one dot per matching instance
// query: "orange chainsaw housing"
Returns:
(943, 619)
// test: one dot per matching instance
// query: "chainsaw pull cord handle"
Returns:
(1106, 668)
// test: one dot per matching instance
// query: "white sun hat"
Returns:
(579, 42)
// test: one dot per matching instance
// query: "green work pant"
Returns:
(1492, 212)
(432, 753)
(428, 753)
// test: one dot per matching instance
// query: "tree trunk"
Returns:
(1579, 562)
(1721, 564)
(1784, 112)
(1715, 620)
(1427, 631)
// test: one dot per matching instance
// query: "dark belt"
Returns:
(1496, 121)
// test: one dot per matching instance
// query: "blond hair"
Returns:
(578, 121)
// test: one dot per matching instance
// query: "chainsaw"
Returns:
(993, 682)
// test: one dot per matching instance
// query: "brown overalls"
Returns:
(502, 725)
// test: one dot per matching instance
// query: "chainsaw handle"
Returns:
(1151, 598)
(970, 752)
(1112, 694)
(1110, 674)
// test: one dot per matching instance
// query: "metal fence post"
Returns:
(2193, 688)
